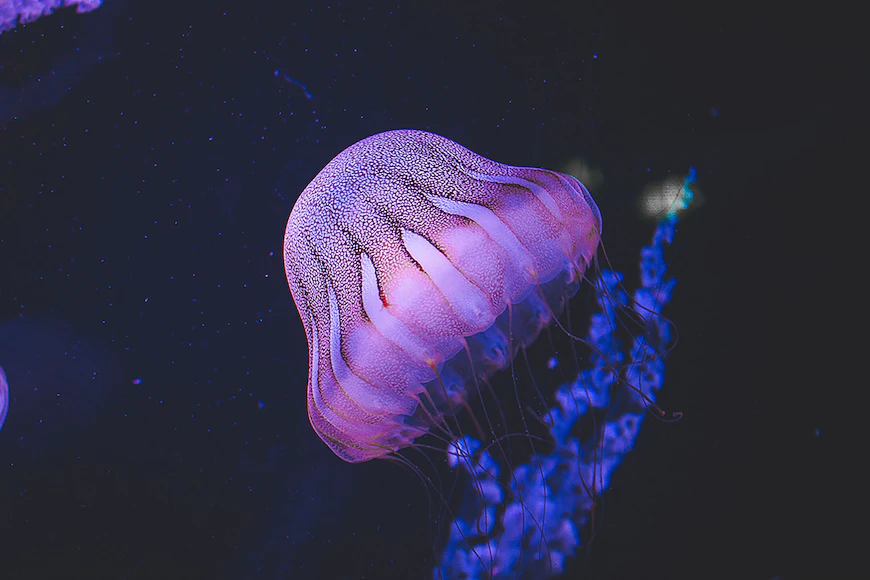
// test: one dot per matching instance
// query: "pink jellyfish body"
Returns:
(418, 268)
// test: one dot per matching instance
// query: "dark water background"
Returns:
(149, 157)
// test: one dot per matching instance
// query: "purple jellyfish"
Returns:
(4, 397)
(14, 11)
(419, 269)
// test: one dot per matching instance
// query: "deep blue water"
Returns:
(157, 366)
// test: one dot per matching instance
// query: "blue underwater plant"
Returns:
(527, 525)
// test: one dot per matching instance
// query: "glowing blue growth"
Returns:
(530, 529)
(687, 196)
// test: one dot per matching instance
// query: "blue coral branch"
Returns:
(530, 529)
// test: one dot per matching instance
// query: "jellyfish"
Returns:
(4, 397)
(420, 268)
(14, 11)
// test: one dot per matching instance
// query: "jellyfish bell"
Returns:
(419, 269)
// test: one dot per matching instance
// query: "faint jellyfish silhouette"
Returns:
(13, 12)
(4, 397)
(419, 269)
